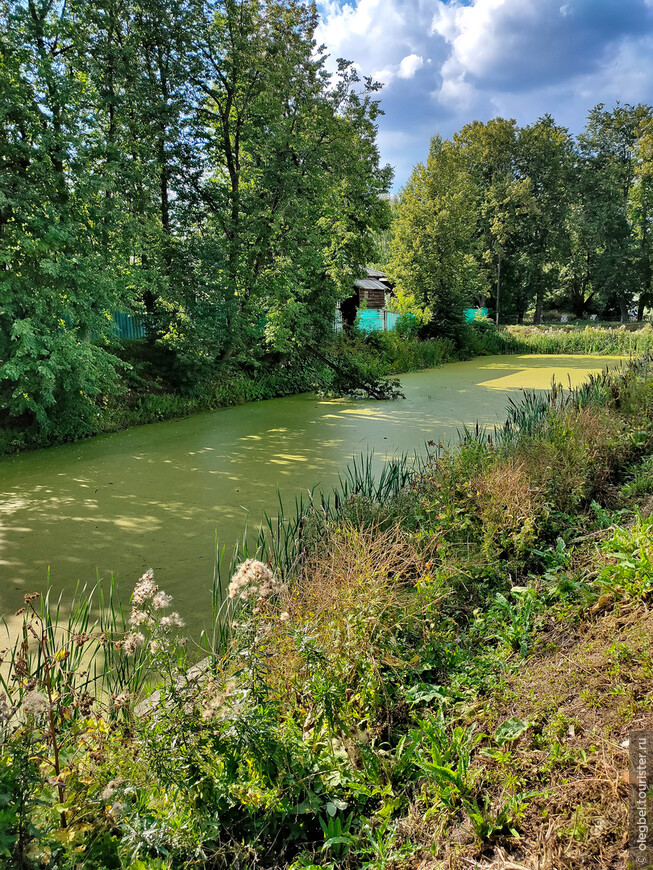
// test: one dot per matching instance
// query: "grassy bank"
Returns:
(618, 339)
(422, 671)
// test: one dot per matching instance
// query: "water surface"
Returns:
(154, 496)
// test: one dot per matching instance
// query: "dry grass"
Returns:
(347, 610)
(509, 506)
(582, 695)
(577, 458)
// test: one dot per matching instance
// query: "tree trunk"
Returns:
(539, 302)
(498, 288)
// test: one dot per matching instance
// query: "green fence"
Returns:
(131, 326)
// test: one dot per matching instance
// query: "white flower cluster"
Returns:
(161, 600)
(171, 621)
(36, 703)
(133, 640)
(140, 617)
(217, 701)
(145, 589)
(147, 597)
(253, 578)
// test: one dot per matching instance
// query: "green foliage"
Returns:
(587, 339)
(527, 218)
(135, 176)
(341, 704)
(431, 234)
(630, 555)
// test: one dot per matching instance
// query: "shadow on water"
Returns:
(154, 496)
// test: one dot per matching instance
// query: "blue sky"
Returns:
(445, 64)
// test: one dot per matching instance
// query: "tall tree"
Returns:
(608, 149)
(545, 158)
(296, 185)
(433, 241)
(642, 214)
(55, 287)
(490, 156)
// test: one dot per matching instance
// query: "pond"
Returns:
(155, 496)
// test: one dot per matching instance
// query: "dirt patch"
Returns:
(587, 688)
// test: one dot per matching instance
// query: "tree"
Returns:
(296, 186)
(608, 151)
(489, 152)
(433, 238)
(546, 159)
(642, 213)
(55, 286)
(187, 158)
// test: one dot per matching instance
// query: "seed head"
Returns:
(35, 703)
(145, 589)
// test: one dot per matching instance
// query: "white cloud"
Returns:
(448, 62)
(384, 35)
(385, 76)
(409, 66)
(517, 44)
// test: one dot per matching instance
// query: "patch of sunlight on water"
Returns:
(154, 496)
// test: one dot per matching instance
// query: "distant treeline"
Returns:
(525, 218)
(189, 159)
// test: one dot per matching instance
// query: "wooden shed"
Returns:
(370, 292)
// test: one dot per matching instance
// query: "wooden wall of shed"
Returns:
(373, 298)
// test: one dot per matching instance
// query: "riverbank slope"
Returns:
(425, 671)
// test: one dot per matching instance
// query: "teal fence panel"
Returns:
(392, 318)
(129, 326)
(472, 313)
(370, 320)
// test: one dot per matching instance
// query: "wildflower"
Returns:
(130, 643)
(285, 616)
(109, 790)
(120, 700)
(173, 620)
(35, 702)
(252, 576)
(213, 707)
(145, 589)
(138, 617)
(154, 646)
(161, 600)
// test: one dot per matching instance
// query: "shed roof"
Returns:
(375, 273)
(370, 284)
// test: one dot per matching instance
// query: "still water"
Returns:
(155, 496)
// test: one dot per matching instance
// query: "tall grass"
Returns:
(81, 637)
(590, 339)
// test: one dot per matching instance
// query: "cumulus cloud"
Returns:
(409, 66)
(521, 43)
(447, 62)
